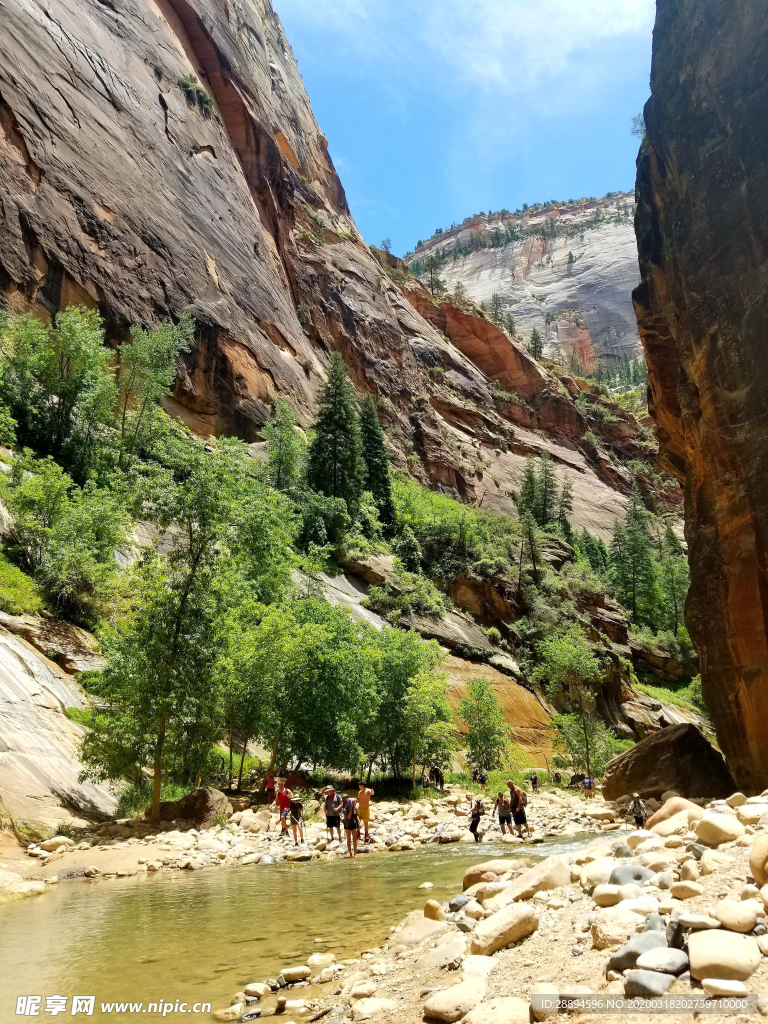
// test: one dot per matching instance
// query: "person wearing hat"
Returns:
(637, 810)
(332, 807)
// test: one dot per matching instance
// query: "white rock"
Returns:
(722, 954)
(454, 1003)
(739, 915)
(613, 928)
(501, 929)
(716, 829)
(721, 987)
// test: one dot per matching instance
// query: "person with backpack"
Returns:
(482, 778)
(504, 808)
(535, 782)
(476, 810)
(351, 825)
(637, 810)
(284, 797)
(297, 817)
(332, 806)
(518, 802)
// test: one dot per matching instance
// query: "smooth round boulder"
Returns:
(685, 890)
(697, 922)
(647, 983)
(458, 902)
(294, 974)
(654, 923)
(722, 954)
(758, 860)
(606, 895)
(501, 929)
(739, 915)
(736, 800)
(597, 872)
(624, 874)
(451, 1004)
(622, 851)
(716, 829)
(666, 961)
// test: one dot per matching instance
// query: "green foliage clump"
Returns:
(407, 593)
(19, 594)
(376, 461)
(196, 94)
(286, 448)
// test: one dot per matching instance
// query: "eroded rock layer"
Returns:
(702, 306)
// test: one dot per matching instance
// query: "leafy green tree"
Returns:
(428, 721)
(584, 743)
(147, 370)
(510, 326)
(536, 345)
(285, 448)
(570, 670)
(335, 465)
(386, 244)
(47, 371)
(376, 460)
(67, 536)
(402, 656)
(488, 736)
(230, 541)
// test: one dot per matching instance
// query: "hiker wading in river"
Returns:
(284, 797)
(351, 825)
(504, 808)
(297, 818)
(518, 800)
(475, 812)
(364, 795)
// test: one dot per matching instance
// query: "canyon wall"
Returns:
(567, 270)
(702, 307)
(161, 155)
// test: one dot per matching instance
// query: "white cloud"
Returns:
(507, 48)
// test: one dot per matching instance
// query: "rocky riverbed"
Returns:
(678, 907)
(252, 836)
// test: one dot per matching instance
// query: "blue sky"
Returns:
(437, 109)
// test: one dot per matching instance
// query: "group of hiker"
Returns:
(510, 807)
(354, 812)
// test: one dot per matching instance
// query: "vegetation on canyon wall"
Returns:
(207, 634)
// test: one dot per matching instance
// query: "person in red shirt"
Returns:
(284, 797)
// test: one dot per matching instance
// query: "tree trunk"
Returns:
(230, 755)
(271, 767)
(414, 773)
(242, 762)
(156, 782)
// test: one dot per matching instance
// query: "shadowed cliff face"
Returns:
(702, 306)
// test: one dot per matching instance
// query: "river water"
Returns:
(200, 936)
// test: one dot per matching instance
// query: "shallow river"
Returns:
(200, 936)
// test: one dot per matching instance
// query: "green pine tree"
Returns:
(536, 345)
(528, 498)
(547, 481)
(376, 459)
(633, 567)
(565, 503)
(335, 465)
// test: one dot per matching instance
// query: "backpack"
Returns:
(524, 799)
(479, 809)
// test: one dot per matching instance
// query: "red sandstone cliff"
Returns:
(702, 306)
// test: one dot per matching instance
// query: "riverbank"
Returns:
(252, 837)
(677, 909)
